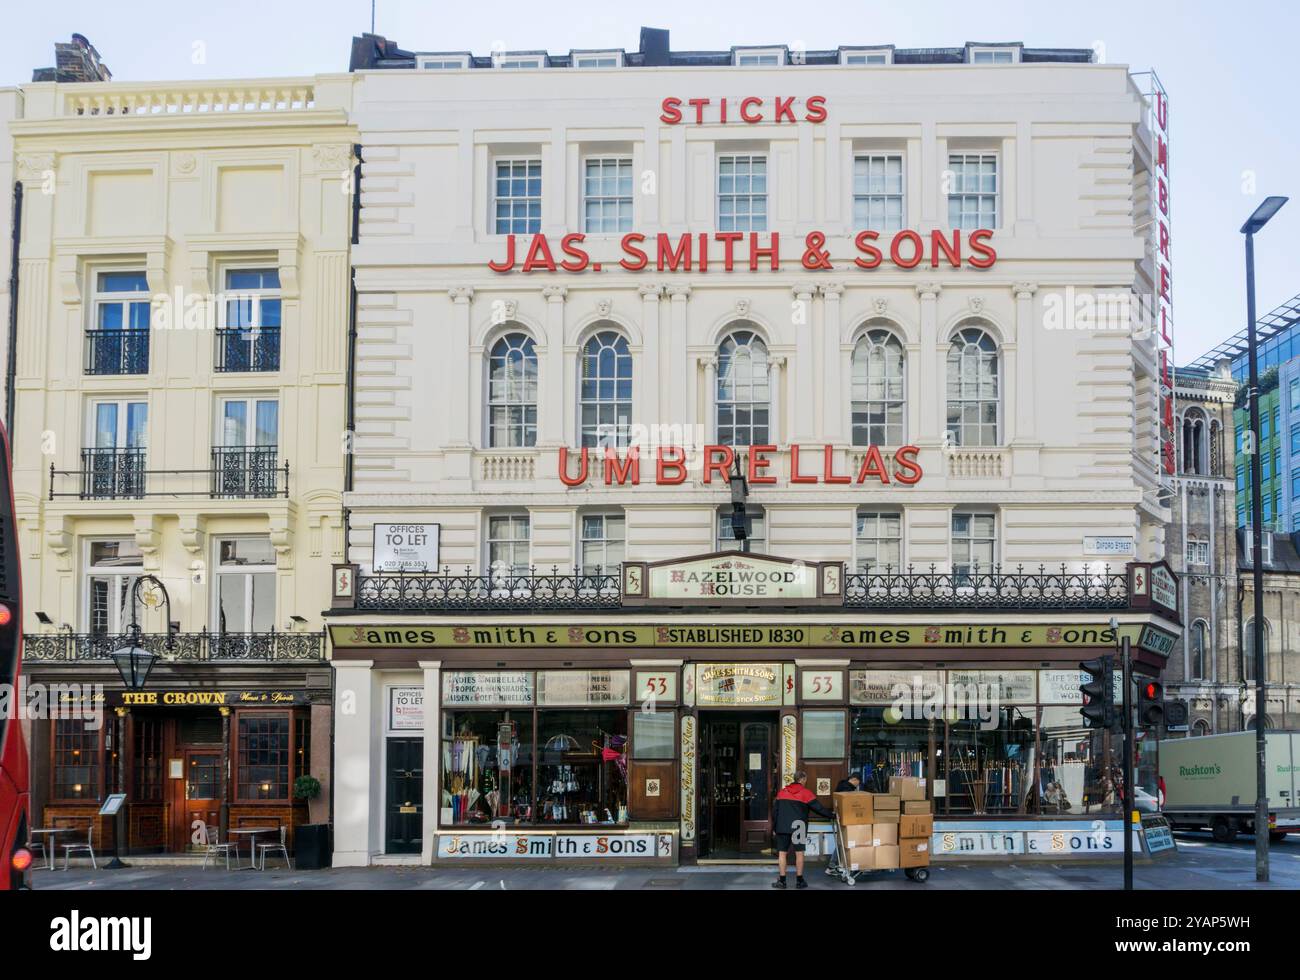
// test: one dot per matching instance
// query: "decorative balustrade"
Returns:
(185, 647)
(1042, 590)
(975, 464)
(444, 592)
(504, 466)
(117, 99)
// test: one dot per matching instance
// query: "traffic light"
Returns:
(1175, 715)
(1151, 703)
(1098, 693)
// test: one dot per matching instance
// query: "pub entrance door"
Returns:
(194, 778)
(738, 762)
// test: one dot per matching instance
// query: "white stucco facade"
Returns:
(1074, 444)
(1065, 467)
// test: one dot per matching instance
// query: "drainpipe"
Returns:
(11, 365)
(352, 355)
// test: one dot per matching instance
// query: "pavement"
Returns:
(1200, 864)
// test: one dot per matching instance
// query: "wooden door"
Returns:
(200, 805)
(756, 762)
(404, 831)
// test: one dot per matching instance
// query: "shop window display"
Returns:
(487, 766)
(573, 770)
(582, 767)
(883, 743)
(989, 764)
(1070, 778)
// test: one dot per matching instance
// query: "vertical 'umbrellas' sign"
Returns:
(1163, 268)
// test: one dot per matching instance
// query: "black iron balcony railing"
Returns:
(242, 349)
(445, 592)
(185, 647)
(247, 471)
(237, 472)
(109, 474)
(975, 589)
(986, 589)
(117, 351)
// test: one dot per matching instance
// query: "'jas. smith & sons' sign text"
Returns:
(727, 250)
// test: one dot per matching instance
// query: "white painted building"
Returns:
(959, 402)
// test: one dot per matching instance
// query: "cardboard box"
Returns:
(873, 858)
(884, 833)
(916, 825)
(907, 787)
(887, 856)
(914, 854)
(859, 835)
(853, 808)
(859, 858)
(916, 806)
(883, 802)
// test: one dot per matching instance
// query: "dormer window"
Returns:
(441, 62)
(993, 55)
(596, 59)
(758, 57)
(517, 61)
(866, 56)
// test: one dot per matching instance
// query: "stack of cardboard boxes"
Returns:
(915, 822)
(886, 830)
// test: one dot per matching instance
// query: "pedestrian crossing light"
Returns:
(1151, 703)
(1098, 693)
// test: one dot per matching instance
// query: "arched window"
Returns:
(1202, 727)
(878, 390)
(605, 392)
(1248, 662)
(973, 407)
(744, 394)
(512, 392)
(1194, 442)
(1198, 639)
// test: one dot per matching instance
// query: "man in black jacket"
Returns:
(849, 784)
(790, 825)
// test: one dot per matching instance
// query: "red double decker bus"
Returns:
(15, 858)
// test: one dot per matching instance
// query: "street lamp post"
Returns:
(1253, 224)
(134, 663)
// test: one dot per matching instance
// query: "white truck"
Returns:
(1209, 781)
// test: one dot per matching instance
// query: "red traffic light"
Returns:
(1152, 691)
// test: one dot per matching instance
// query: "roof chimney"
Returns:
(76, 61)
(654, 46)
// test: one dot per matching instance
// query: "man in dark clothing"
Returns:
(790, 825)
(849, 784)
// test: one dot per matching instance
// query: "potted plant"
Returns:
(311, 840)
(307, 788)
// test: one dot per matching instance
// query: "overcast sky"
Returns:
(1228, 68)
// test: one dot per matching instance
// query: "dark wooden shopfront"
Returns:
(195, 758)
(740, 776)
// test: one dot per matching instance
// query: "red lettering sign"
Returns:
(672, 467)
(689, 252)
